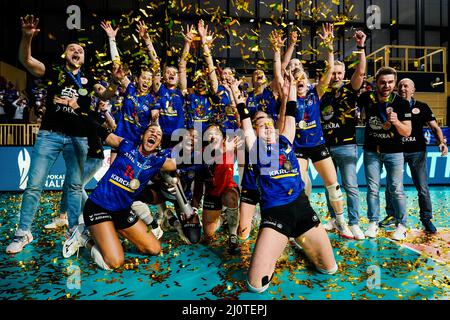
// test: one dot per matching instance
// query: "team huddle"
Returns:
(178, 136)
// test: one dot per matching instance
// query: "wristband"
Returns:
(243, 111)
(291, 108)
(361, 47)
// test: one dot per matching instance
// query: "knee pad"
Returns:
(329, 272)
(335, 192)
(142, 210)
(265, 282)
(98, 258)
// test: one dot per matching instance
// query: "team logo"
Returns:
(324, 153)
(69, 93)
(91, 217)
(23, 162)
(375, 123)
(309, 103)
(416, 111)
(314, 218)
(131, 217)
(327, 113)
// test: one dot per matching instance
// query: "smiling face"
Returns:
(337, 76)
(190, 140)
(406, 88)
(385, 85)
(144, 82)
(171, 77)
(294, 64)
(228, 75)
(151, 139)
(74, 55)
(258, 78)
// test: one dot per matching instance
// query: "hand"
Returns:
(360, 38)
(232, 143)
(293, 38)
(110, 32)
(142, 30)
(327, 35)
(286, 86)
(189, 35)
(443, 149)
(66, 101)
(29, 25)
(276, 40)
(392, 118)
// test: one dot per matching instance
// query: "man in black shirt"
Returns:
(338, 117)
(388, 119)
(62, 129)
(415, 155)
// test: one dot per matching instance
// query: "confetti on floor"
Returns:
(373, 269)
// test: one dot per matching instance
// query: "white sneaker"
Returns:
(372, 230)
(57, 223)
(342, 228)
(330, 225)
(158, 232)
(399, 233)
(357, 232)
(21, 239)
(75, 242)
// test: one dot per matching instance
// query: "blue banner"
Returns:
(15, 164)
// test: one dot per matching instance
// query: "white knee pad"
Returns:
(335, 192)
(257, 290)
(98, 258)
(142, 210)
(330, 272)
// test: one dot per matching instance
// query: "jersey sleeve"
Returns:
(428, 114)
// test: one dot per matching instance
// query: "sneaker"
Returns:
(57, 223)
(399, 233)
(372, 230)
(387, 222)
(343, 230)
(21, 239)
(74, 243)
(330, 225)
(233, 244)
(357, 232)
(429, 226)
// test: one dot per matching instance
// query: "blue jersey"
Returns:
(308, 112)
(279, 182)
(135, 115)
(248, 179)
(263, 102)
(113, 191)
(227, 114)
(171, 110)
(200, 111)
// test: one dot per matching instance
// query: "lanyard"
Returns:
(77, 80)
(135, 166)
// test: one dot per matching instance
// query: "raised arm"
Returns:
(29, 30)
(290, 88)
(244, 114)
(327, 37)
(277, 43)
(207, 40)
(118, 77)
(290, 50)
(358, 76)
(188, 38)
(111, 33)
(142, 30)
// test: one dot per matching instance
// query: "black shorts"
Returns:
(94, 214)
(316, 153)
(292, 219)
(214, 202)
(250, 196)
